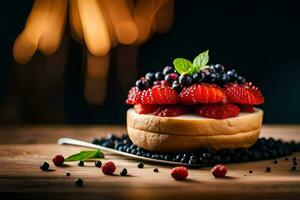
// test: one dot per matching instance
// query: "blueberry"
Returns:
(241, 79)
(219, 68)
(133, 151)
(44, 166)
(98, 163)
(123, 172)
(268, 169)
(79, 182)
(192, 162)
(150, 76)
(142, 84)
(159, 76)
(185, 80)
(232, 74)
(168, 70)
(140, 165)
(176, 86)
(155, 170)
(184, 160)
(111, 136)
(224, 78)
(198, 77)
(68, 174)
(80, 163)
(170, 78)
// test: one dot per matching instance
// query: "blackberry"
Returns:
(168, 70)
(159, 76)
(142, 84)
(185, 80)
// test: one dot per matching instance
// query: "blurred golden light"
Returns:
(99, 25)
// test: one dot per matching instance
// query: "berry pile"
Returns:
(262, 149)
(193, 89)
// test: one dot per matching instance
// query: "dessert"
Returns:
(194, 105)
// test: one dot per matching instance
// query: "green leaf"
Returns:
(201, 60)
(83, 155)
(182, 65)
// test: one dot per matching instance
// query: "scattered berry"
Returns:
(294, 168)
(68, 174)
(294, 159)
(179, 173)
(123, 172)
(185, 80)
(218, 111)
(80, 163)
(170, 111)
(201, 93)
(243, 94)
(268, 169)
(275, 161)
(98, 163)
(250, 171)
(44, 166)
(58, 160)
(144, 108)
(168, 70)
(78, 182)
(219, 171)
(108, 168)
(155, 170)
(140, 165)
(159, 94)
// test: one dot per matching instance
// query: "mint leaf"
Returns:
(83, 155)
(201, 60)
(182, 65)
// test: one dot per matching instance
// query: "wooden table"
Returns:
(23, 148)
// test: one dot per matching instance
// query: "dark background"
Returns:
(261, 40)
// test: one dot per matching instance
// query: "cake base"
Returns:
(188, 132)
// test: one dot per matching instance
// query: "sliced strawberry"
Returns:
(170, 111)
(143, 109)
(243, 94)
(201, 93)
(134, 96)
(218, 111)
(246, 108)
(159, 94)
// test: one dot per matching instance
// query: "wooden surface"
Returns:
(22, 149)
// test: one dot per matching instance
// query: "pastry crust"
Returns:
(187, 132)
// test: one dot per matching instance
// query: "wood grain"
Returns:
(23, 148)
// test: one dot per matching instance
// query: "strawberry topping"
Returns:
(243, 94)
(201, 93)
(134, 96)
(217, 111)
(246, 108)
(143, 109)
(159, 94)
(170, 111)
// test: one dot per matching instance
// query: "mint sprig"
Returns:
(184, 66)
(84, 155)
